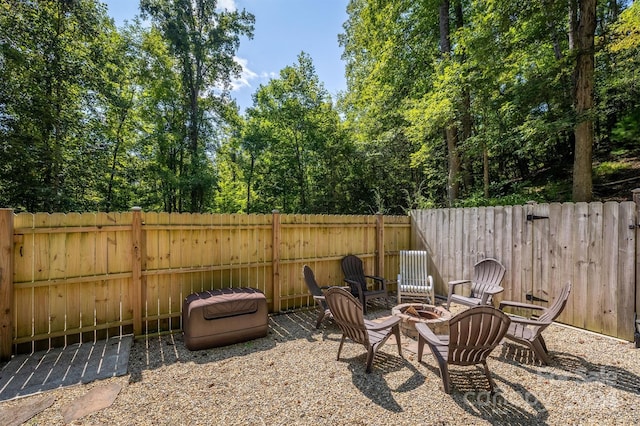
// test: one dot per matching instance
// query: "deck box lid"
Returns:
(225, 302)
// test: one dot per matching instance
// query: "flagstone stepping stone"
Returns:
(24, 410)
(96, 399)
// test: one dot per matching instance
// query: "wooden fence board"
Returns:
(541, 268)
(602, 293)
(505, 254)
(625, 291)
(597, 270)
(581, 261)
(560, 243)
(456, 250)
(80, 278)
(565, 260)
(499, 231)
(517, 241)
(526, 276)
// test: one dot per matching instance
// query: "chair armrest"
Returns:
(355, 285)
(389, 322)
(327, 287)
(527, 321)
(382, 281)
(457, 282)
(493, 290)
(489, 292)
(428, 335)
(523, 305)
(452, 285)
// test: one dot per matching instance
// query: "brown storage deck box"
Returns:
(223, 317)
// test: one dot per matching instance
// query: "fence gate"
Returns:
(544, 246)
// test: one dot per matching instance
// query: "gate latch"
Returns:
(532, 217)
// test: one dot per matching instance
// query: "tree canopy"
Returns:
(448, 103)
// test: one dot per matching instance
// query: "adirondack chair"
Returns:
(318, 295)
(473, 334)
(347, 313)
(528, 331)
(414, 279)
(487, 276)
(355, 277)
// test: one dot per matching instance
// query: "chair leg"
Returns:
(396, 332)
(488, 374)
(321, 316)
(340, 347)
(539, 350)
(444, 372)
(421, 342)
(370, 355)
(544, 345)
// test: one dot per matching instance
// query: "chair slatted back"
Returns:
(553, 311)
(486, 273)
(353, 269)
(312, 285)
(413, 276)
(474, 333)
(347, 313)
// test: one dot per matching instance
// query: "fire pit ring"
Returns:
(436, 317)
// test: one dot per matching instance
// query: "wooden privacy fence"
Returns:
(594, 246)
(68, 278)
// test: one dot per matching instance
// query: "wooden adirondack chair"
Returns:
(318, 295)
(528, 331)
(473, 334)
(487, 276)
(347, 313)
(354, 276)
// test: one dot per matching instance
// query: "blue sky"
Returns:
(283, 29)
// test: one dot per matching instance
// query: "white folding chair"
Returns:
(414, 279)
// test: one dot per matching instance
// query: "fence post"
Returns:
(136, 268)
(275, 260)
(379, 244)
(6, 283)
(636, 199)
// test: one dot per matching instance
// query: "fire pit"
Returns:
(436, 317)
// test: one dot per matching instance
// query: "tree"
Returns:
(388, 47)
(584, 102)
(49, 54)
(294, 143)
(203, 40)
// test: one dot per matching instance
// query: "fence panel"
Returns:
(78, 277)
(73, 277)
(544, 246)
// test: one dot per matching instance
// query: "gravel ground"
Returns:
(292, 377)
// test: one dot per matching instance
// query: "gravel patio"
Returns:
(292, 377)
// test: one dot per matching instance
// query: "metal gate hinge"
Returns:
(531, 217)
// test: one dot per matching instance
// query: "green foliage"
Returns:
(49, 54)
(95, 118)
(292, 144)
(610, 169)
(201, 41)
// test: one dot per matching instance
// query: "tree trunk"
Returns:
(451, 132)
(465, 113)
(584, 72)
